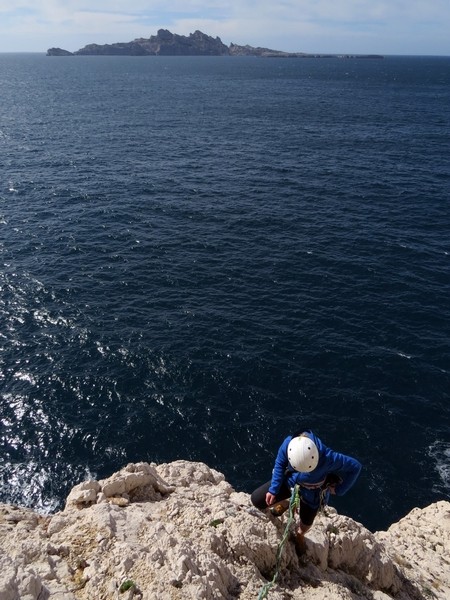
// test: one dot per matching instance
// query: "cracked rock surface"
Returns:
(180, 531)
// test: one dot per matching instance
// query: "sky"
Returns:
(415, 27)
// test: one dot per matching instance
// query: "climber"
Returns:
(319, 471)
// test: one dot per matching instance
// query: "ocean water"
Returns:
(199, 256)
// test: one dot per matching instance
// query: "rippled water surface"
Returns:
(199, 256)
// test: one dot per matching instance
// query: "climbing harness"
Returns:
(294, 504)
(330, 480)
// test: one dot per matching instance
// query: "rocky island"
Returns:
(180, 531)
(166, 43)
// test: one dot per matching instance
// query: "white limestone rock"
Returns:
(420, 545)
(82, 495)
(179, 530)
(18, 582)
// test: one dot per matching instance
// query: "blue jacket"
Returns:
(345, 467)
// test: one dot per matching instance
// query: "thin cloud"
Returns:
(397, 26)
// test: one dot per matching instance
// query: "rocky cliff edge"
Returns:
(180, 531)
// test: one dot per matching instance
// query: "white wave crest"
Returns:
(440, 453)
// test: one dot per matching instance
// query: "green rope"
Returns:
(294, 503)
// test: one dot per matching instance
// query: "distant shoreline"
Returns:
(166, 43)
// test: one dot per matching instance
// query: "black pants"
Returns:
(258, 498)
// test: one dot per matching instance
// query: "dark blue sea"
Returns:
(199, 256)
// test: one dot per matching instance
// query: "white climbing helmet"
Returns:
(303, 454)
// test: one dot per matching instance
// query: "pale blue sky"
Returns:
(335, 26)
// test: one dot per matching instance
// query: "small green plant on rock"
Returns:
(126, 585)
(216, 522)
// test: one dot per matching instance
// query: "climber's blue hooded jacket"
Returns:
(330, 462)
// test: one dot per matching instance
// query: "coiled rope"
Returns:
(294, 503)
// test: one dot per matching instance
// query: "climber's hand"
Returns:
(270, 499)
